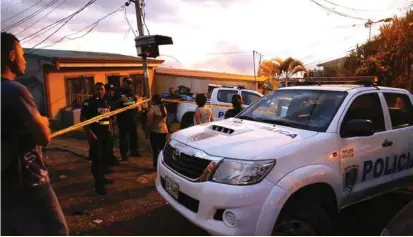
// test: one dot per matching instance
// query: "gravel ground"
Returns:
(133, 206)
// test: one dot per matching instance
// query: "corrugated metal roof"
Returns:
(54, 53)
(206, 74)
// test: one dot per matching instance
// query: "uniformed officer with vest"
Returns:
(98, 134)
(127, 121)
(109, 97)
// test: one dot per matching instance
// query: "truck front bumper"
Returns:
(217, 208)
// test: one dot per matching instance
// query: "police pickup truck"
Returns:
(289, 163)
(220, 101)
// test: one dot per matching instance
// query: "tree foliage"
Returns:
(277, 69)
(389, 55)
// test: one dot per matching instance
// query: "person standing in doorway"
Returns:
(171, 107)
(237, 107)
(127, 120)
(29, 205)
(98, 134)
(203, 114)
(157, 127)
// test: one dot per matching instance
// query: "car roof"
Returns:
(343, 87)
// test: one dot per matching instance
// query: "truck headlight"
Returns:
(240, 172)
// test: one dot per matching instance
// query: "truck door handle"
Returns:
(387, 143)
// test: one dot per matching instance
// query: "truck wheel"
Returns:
(187, 120)
(304, 219)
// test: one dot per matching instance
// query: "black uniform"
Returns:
(112, 158)
(100, 148)
(127, 122)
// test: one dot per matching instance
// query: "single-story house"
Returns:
(68, 76)
(60, 80)
(198, 81)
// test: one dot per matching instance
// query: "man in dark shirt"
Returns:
(127, 120)
(172, 107)
(29, 205)
(98, 134)
(237, 107)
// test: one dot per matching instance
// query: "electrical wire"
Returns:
(65, 20)
(353, 9)
(41, 17)
(93, 25)
(31, 15)
(5, 8)
(127, 20)
(144, 16)
(73, 15)
(337, 12)
(23, 11)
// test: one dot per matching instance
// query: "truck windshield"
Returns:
(305, 109)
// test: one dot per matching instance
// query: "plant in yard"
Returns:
(277, 69)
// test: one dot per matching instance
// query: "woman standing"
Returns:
(157, 127)
(203, 114)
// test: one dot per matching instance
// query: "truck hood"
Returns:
(233, 138)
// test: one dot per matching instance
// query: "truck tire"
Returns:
(304, 219)
(187, 120)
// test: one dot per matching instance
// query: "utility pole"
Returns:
(255, 72)
(139, 20)
(370, 22)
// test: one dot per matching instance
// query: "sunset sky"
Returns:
(275, 28)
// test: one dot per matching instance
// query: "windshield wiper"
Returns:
(246, 118)
(277, 122)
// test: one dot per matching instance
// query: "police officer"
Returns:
(109, 97)
(127, 120)
(98, 134)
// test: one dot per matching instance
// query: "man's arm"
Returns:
(35, 124)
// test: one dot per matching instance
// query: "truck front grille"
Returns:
(189, 166)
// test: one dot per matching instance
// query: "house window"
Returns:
(114, 80)
(78, 89)
(138, 85)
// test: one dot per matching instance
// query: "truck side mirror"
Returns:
(358, 128)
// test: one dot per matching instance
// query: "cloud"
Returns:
(239, 62)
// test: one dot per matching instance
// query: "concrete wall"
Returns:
(57, 87)
(197, 85)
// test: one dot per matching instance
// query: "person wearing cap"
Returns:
(109, 96)
(127, 120)
(98, 134)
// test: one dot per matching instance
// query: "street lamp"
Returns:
(370, 22)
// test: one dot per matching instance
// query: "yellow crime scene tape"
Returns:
(97, 118)
(132, 106)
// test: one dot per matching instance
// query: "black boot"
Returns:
(100, 188)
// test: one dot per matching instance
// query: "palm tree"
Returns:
(277, 69)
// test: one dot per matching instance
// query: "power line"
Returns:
(23, 11)
(228, 53)
(41, 18)
(127, 20)
(349, 8)
(73, 15)
(93, 25)
(337, 12)
(5, 8)
(66, 19)
(144, 16)
(31, 15)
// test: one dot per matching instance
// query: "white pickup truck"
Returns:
(289, 163)
(220, 97)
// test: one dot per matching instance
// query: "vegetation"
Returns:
(277, 69)
(388, 56)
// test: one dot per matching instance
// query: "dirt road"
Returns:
(133, 206)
